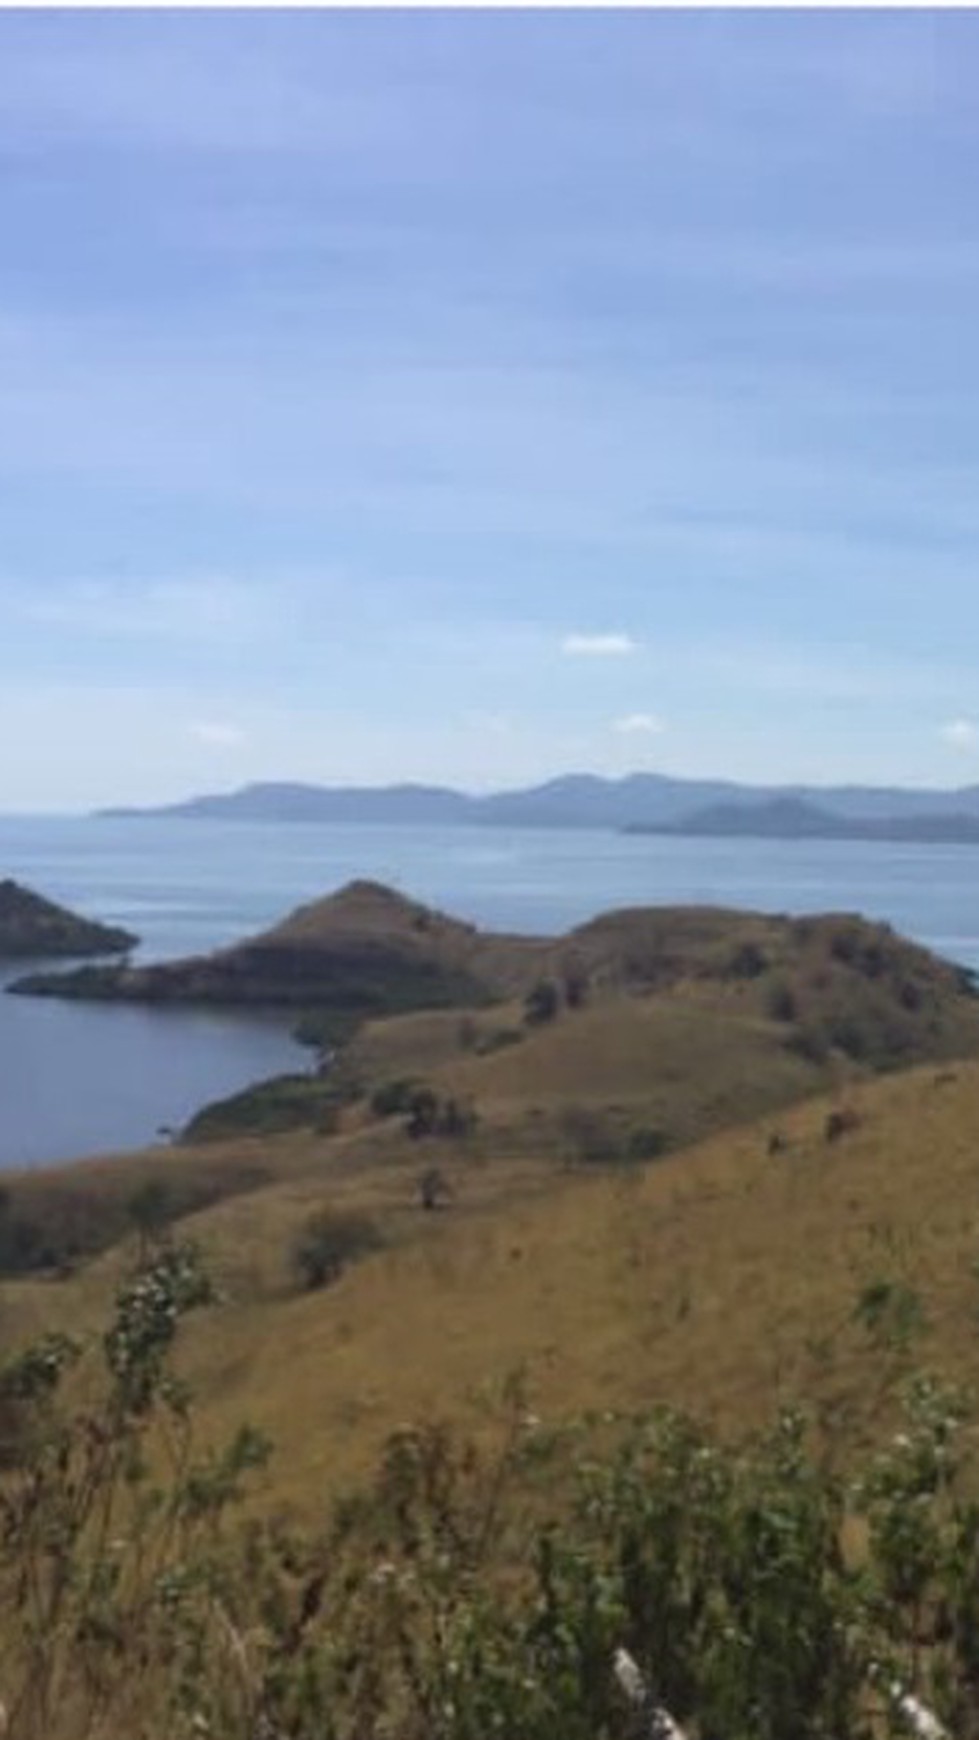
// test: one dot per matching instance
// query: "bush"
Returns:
(646, 1143)
(328, 1243)
(593, 1138)
(393, 1096)
(748, 961)
(809, 1043)
(782, 1004)
(575, 984)
(541, 1003)
(840, 1122)
(423, 1113)
(478, 1588)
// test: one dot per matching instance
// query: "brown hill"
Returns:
(31, 926)
(363, 950)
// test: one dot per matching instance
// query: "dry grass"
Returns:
(723, 1279)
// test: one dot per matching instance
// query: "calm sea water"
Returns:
(77, 1079)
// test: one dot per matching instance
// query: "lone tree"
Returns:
(150, 1210)
(434, 1188)
(541, 1002)
(423, 1113)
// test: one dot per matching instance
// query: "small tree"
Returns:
(456, 1118)
(434, 1188)
(423, 1113)
(575, 984)
(541, 1002)
(150, 1210)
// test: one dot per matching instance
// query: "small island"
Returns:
(792, 818)
(32, 927)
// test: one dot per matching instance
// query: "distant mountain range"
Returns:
(639, 801)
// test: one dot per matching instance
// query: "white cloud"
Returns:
(598, 646)
(635, 724)
(217, 734)
(961, 734)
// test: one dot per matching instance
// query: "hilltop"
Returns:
(635, 1035)
(31, 927)
(818, 987)
(364, 950)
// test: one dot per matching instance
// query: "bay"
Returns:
(82, 1078)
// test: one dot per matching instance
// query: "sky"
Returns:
(472, 397)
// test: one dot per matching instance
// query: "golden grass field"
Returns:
(721, 1277)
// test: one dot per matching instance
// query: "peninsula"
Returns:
(32, 927)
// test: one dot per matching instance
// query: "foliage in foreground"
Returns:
(470, 1592)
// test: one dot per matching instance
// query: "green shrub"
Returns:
(474, 1589)
(782, 1004)
(809, 1043)
(328, 1243)
(541, 1003)
(747, 961)
(592, 1136)
(647, 1142)
(392, 1097)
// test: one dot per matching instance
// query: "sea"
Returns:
(79, 1079)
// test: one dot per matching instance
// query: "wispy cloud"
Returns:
(961, 734)
(217, 734)
(638, 725)
(597, 646)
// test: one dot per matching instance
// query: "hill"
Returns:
(31, 927)
(726, 1279)
(791, 818)
(363, 950)
(637, 1034)
(445, 1303)
(574, 800)
(834, 985)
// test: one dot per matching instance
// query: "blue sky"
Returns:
(477, 396)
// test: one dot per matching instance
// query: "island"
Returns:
(32, 927)
(790, 818)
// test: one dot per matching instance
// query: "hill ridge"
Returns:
(569, 800)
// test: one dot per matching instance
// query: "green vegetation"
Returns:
(759, 1586)
(284, 1102)
(328, 1243)
(51, 1221)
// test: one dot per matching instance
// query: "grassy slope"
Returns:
(712, 1278)
(723, 1279)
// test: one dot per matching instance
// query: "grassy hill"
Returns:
(726, 1278)
(815, 1254)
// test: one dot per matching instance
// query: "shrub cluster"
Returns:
(473, 1591)
(328, 1242)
